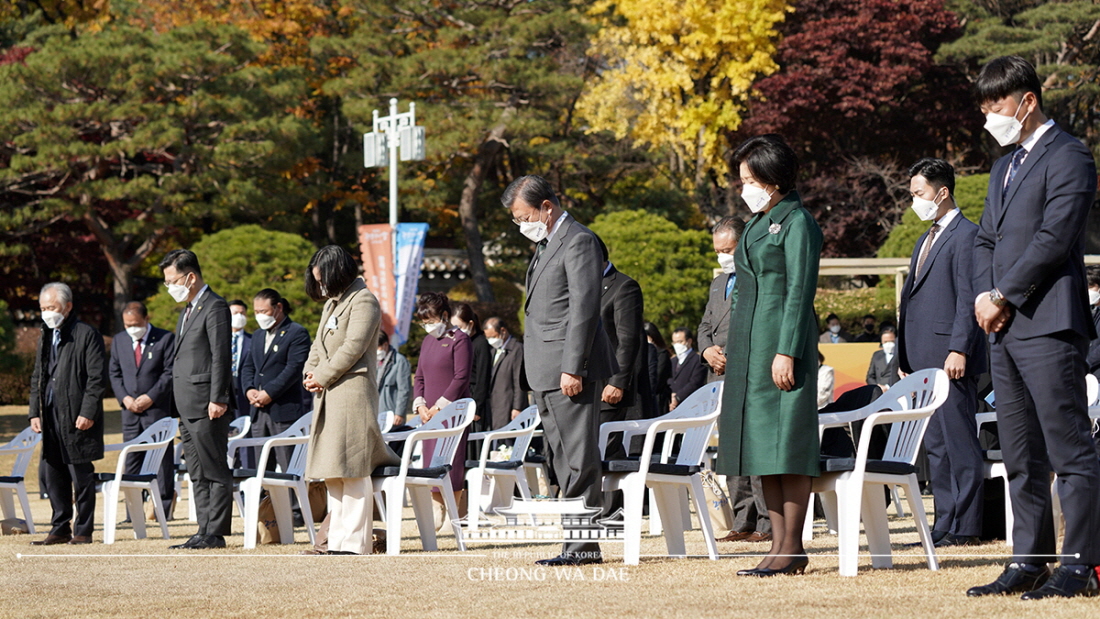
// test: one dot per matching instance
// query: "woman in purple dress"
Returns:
(442, 376)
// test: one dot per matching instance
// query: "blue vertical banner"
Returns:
(410, 255)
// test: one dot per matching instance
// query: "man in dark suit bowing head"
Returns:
(202, 378)
(566, 353)
(937, 329)
(141, 376)
(1029, 278)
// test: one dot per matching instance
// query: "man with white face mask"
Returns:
(141, 376)
(567, 354)
(937, 329)
(1028, 275)
(883, 369)
(240, 348)
(70, 374)
(714, 327)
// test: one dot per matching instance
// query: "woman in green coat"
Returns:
(769, 407)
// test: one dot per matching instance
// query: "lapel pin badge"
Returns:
(276, 347)
(774, 228)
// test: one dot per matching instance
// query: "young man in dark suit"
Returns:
(1029, 278)
(240, 348)
(937, 329)
(567, 354)
(202, 379)
(141, 376)
(883, 369)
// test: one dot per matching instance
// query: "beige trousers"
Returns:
(351, 510)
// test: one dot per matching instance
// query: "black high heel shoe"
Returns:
(797, 566)
(750, 572)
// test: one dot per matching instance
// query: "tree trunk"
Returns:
(467, 207)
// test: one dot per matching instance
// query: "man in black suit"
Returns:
(507, 395)
(937, 329)
(271, 375)
(883, 369)
(567, 356)
(1029, 277)
(240, 348)
(202, 389)
(141, 376)
(627, 395)
(66, 407)
(869, 334)
(688, 371)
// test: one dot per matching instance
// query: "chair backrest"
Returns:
(700, 403)
(385, 421)
(297, 463)
(922, 391)
(162, 431)
(23, 446)
(528, 420)
(456, 415)
(1092, 389)
(240, 427)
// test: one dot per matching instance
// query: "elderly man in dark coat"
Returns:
(70, 374)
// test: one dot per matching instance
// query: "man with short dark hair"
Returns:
(883, 369)
(66, 407)
(202, 388)
(869, 334)
(507, 394)
(937, 329)
(240, 348)
(834, 333)
(688, 371)
(1028, 271)
(141, 376)
(567, 354)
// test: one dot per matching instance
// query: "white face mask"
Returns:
(495, 342)
(179, 292)
(238, 321)
(53, 320)
(1094, 296)
(265, 321)
(535, 231)
(888, 347)
(726, 262)
(435, 329)
(136, 333)
(925, 209)
(756, 197)
(382, 354)
(1005, 129)
(834, 328)
(679, 348)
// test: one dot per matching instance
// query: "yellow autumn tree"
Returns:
(678, 79)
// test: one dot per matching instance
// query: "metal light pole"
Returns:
(381, 146)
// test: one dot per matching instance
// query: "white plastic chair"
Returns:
(446, 427)
(154, 441)
(277, 483)
(846, 485)
(22, 447)
(694, 418)
(238, 430)
(385, 421)
(490, 484)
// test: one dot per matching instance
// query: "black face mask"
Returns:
(869, 327)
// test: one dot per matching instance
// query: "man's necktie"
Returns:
(927, 248)
(56, 342)
(186, 315)
(538, 253)
(137, 354)
(236, 361)
(1014, 166)
(729, 284)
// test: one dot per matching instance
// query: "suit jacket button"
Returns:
(999, 237)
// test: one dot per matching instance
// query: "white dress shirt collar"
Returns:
(1033, 139)
(557, 224)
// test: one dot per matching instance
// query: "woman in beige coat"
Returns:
(345, 443)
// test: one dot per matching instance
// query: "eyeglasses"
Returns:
(178, 278)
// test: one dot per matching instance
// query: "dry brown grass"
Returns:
(144, 578)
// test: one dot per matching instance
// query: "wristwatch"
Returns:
(996, 298)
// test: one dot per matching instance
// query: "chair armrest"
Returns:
(270, 444)
(495, 435)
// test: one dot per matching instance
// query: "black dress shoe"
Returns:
(299, 521)
(52, 539)
(342, 553)
(81, 539)
(1014, 579)
(188, 544)
(209, 542)
(958, 540)
(936, 537)
(571, 560)
(1067, 581)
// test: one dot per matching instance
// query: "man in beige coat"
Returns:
(345, 443)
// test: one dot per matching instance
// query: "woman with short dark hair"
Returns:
(768, 425)
(345, 442)
(442, 376)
